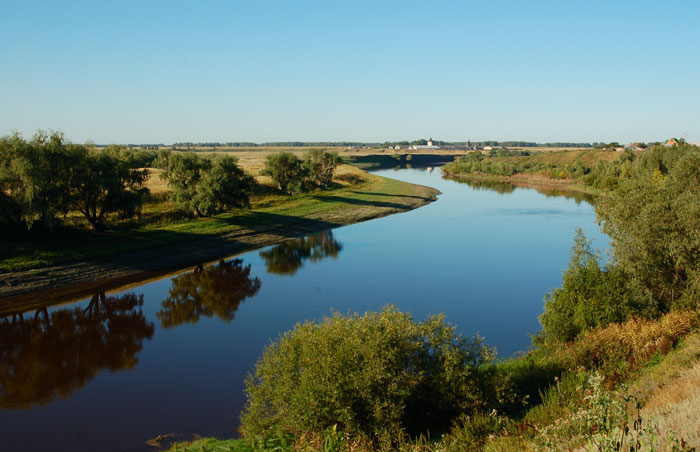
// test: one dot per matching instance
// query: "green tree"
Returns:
(374, 374)
(206, 185)
(591, 296)
(287, 171)
(320, 166)
(652, 219)
(34, 174)
(104, 182)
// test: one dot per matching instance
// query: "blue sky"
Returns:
(150, 72)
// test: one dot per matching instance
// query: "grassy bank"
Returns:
(163, 239)
(582, 171)
(359, 196)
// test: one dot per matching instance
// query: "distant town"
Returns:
(416, 145)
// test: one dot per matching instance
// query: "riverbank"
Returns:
(539, 182)
(75, 263)
(630, 383)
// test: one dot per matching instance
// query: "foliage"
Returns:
(104, 182)
(205, 185)
(294, 175)
(631, 343)
(287, 171)
(32, 174)
(652, 219)
(320, 166)
(377, 374)
(590, 296)
(45, 177)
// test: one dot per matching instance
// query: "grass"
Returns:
(357, 196)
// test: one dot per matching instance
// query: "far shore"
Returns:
(368, 197)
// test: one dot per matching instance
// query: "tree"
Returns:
(287, 171)
(34, 175)
(205, 186)
(591, 296)
(379, 374)
(103, 182)
(223, 185)
(652, 219)
(320, 166)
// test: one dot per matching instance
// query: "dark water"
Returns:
(170, 356)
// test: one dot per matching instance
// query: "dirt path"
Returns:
(24, 290)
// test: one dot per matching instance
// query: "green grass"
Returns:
(212, 445)
(367, 197)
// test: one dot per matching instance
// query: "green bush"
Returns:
(375, 374)
(205, 185)
(287, 171)
(591, 296)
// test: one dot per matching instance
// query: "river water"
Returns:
(170, 356)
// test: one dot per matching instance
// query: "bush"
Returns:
(206, 185)
(632, 342)
(591, 296)
(376, 375)
(320, 166)
(287, 171)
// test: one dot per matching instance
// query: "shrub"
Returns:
(590, 296)
(632, 342)
(205, 186)
(376, 375)
(287, 171)
(320, 166)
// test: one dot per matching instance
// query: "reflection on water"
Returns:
(46, 356)
(503, 188)
(288, 257)
(213, 291)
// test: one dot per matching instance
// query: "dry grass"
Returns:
(633, 342)
(675, 409)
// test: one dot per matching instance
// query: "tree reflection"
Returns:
(216, 290)
(46, 356)
(286, 258)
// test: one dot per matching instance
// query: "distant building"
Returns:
(425, 147)
(671, 143)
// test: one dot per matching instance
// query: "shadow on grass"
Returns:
(392, 196)
(361, 202)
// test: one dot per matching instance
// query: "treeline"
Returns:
(604, 174)
(651, 213)
(270, 144)
(45, 179)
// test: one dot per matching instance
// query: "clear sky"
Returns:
(167, 71)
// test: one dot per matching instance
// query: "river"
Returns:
(170, 356)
